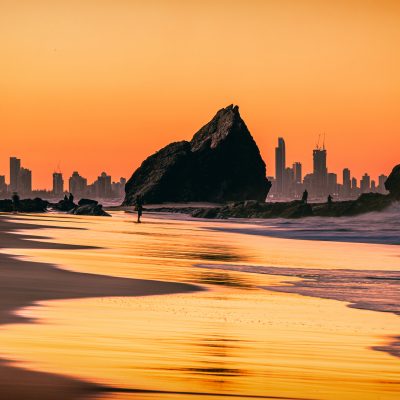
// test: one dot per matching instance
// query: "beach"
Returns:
(105, 308)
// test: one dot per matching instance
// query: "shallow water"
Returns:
(235, 338)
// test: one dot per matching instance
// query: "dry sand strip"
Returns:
(23, 283)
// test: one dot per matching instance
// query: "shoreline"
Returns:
(24, 283)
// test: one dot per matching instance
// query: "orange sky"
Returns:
(100, 84)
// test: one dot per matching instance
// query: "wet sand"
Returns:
(234, 340)
(24, 283)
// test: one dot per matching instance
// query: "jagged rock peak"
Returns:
(221, 163)
(224, 123)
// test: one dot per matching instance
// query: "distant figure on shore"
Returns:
(16, 202)
(330, 200)
(71, 198)
(304, 198)
(65, 197)
(139, 207)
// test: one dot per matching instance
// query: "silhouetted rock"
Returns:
(6, 205)
(90, 209)
(64, 205)
(83, 202)
(221, 163)
(24, 205)
(392, 183)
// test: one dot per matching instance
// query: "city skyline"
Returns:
(289, 182)
(20, 181)
(93, 85)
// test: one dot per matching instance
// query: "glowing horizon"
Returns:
(100, 85)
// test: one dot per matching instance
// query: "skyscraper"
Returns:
(365, 184)
(381, 184)
(103, 186)
(3, 186)
(15, 166)
(298, 175)
(77, 184)
(58, 183)
(280, 166)
(25, 181)
(320, 172)
(346, 182)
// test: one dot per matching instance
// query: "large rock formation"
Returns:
(222, 162)
(392, 183)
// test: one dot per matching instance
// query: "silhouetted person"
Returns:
(139, 207)
(16, 202)
(304, 198)
(65, 198)
(71, 198)
(330, 200)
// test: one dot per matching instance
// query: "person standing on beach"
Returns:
(304, 197)
(16, 202)
(330, 201)
(139, 207)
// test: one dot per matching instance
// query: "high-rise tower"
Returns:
(15, 167)
(280, 166)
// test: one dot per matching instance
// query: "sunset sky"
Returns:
(98, 85)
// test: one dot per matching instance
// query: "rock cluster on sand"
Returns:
(90, 209)
(297, 209)
(24, 205)
(221, 163)
(84, 207)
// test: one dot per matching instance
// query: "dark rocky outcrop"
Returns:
(221, 163)
(84, 207)
(64, 205)
(367, 202)
(84, 202)
(90, 209)
(24, 205)
(392, 183)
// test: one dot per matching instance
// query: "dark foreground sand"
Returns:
(23, 283)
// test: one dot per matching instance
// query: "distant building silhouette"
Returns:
(3, 185)
(381, 184)
(58, 184)
(365, 184)
(280, 166)
(15, 166)
(298, 173)
(346, 188)
(103, 186)
(320, 172)
(332, 184)
(77, 184)
(25, 181)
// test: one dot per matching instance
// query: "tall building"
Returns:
(3, 185)
(280, 166)
(332, 184)
(365, 184)
(320, 172)
(103, 186)
(77, 184)
(346, 183)
(58, 183)
(297, 170)
(381, 184)
(25, 181)
(15, 167)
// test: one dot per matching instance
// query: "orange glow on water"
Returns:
(234, 338)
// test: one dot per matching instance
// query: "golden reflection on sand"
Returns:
(234, 338)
